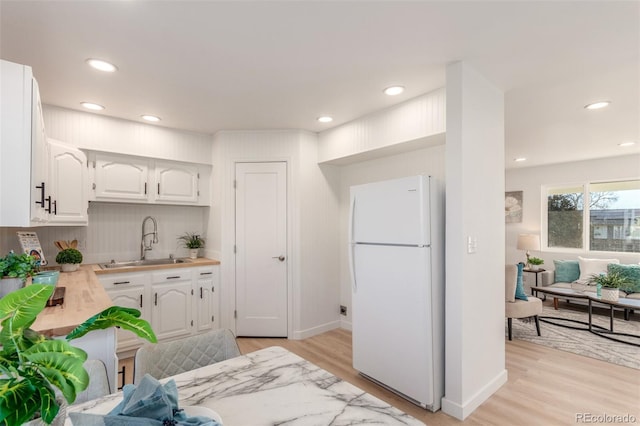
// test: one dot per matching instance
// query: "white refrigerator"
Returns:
(396, 254)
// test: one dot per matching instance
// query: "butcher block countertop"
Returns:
(85, 296)
(190, 263)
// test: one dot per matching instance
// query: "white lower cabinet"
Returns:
(206, 298)
(177, 302)
(171, 304)
(131, 291)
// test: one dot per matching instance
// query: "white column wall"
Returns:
(475, 360)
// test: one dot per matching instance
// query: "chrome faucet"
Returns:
(143, 247)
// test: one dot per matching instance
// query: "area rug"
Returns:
(582, 342)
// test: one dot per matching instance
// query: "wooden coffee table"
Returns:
(567, 293)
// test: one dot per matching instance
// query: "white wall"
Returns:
(312, 217)
(531, 179)
(475, 360)
(115, 232)
(427, 161)
(102, 133)
(403, 126)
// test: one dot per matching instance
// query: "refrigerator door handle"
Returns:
(352, 267)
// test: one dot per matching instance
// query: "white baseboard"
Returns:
(462, 411)
(310, 332)
(347, 325)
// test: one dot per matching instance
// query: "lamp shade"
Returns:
(528, 242)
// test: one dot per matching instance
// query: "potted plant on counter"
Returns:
(193, 242)
(534, 263)
(35, 368)
(69, 259)
(609, 285)
(14, 270)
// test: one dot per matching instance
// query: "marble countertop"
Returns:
(273, 386)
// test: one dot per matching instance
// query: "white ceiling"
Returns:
(205, 66)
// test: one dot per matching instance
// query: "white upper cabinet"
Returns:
(120, 178)
(40, 192)
(18, 104)
(68, 183)
(124, 178)
(176, 182)
(37, 179)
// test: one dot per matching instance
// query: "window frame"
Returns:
(586, 218)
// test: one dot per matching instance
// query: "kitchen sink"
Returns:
(147, 262)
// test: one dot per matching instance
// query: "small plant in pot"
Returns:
(610, 284)
(36, 370)
(193, 242)
(534, 263)
(14, 271)
(69, 259)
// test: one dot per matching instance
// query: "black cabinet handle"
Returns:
(155, 302)
(206, 273)
(55, 207)
(48, 208)
(141, 301)
(145, 188)
(41, 188)
(173, 277)
(122, 282)
(200, 292)
(158, 189)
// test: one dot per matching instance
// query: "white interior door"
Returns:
(261, 249)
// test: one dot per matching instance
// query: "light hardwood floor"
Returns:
(546, 387)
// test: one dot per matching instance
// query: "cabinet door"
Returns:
(206, 299)
(129, 297)
(176, 182)
(171, 309)
(41, 198)
(120, 178)
(68, 184)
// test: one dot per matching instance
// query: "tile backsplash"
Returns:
(115, 232)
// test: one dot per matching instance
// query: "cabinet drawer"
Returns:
(169, 275)
(119, 281)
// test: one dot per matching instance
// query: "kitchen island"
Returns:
(272, 386)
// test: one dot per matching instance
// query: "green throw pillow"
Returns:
(631, 273)
(567, 271)
(520, 294)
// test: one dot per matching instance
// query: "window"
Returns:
(609, 222)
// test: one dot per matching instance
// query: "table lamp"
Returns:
(528, 242)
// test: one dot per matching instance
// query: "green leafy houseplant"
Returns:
(69, 255)
(32, 365)
(18, 266)
(191, 240)
(535, 261)
(610, 280)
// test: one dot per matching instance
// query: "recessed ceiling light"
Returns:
(393, 90)
(624, 144)
(325, 119)
(598, 105)
(101, 65)
(152, 118)
(92, 106)
(519, 159)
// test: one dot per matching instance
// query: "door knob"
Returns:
(280, 258)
